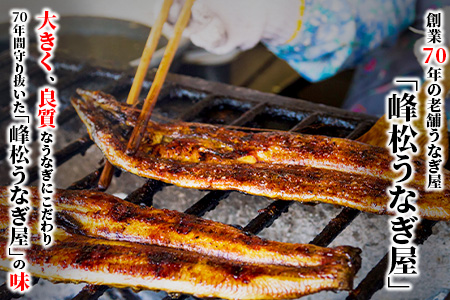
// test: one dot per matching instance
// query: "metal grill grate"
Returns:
(192, 99)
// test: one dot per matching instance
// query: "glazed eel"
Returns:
(279, 165)
(102, 239)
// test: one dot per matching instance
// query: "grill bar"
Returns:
(91, 292)
(267, 216)
(335, 227)
(64, 116)
(6, 294)
(277, 208)
(83, 183)
(374, 281)
(145, 193)
(5, 80)
(306, 122)
(250, 115)
(63, 155)
(207, 203)
(118, 86)
(88, 182)
(347, 215)
(125, 294)
(447, 297)
(64, 83)
(212, 199)
(272, 212)
(196, 108)
(359, 130)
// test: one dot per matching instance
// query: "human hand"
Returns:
(223, 26)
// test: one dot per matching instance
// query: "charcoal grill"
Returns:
(192, 99)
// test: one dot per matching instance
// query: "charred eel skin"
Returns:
(100, 215)
(102, 239)
(279, 165)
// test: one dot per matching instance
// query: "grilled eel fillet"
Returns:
(101, 239)
(278, 165)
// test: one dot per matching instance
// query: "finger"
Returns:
(211, 36)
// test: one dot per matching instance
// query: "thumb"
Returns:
(206, 29)
(196, 22)
(210, 37)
